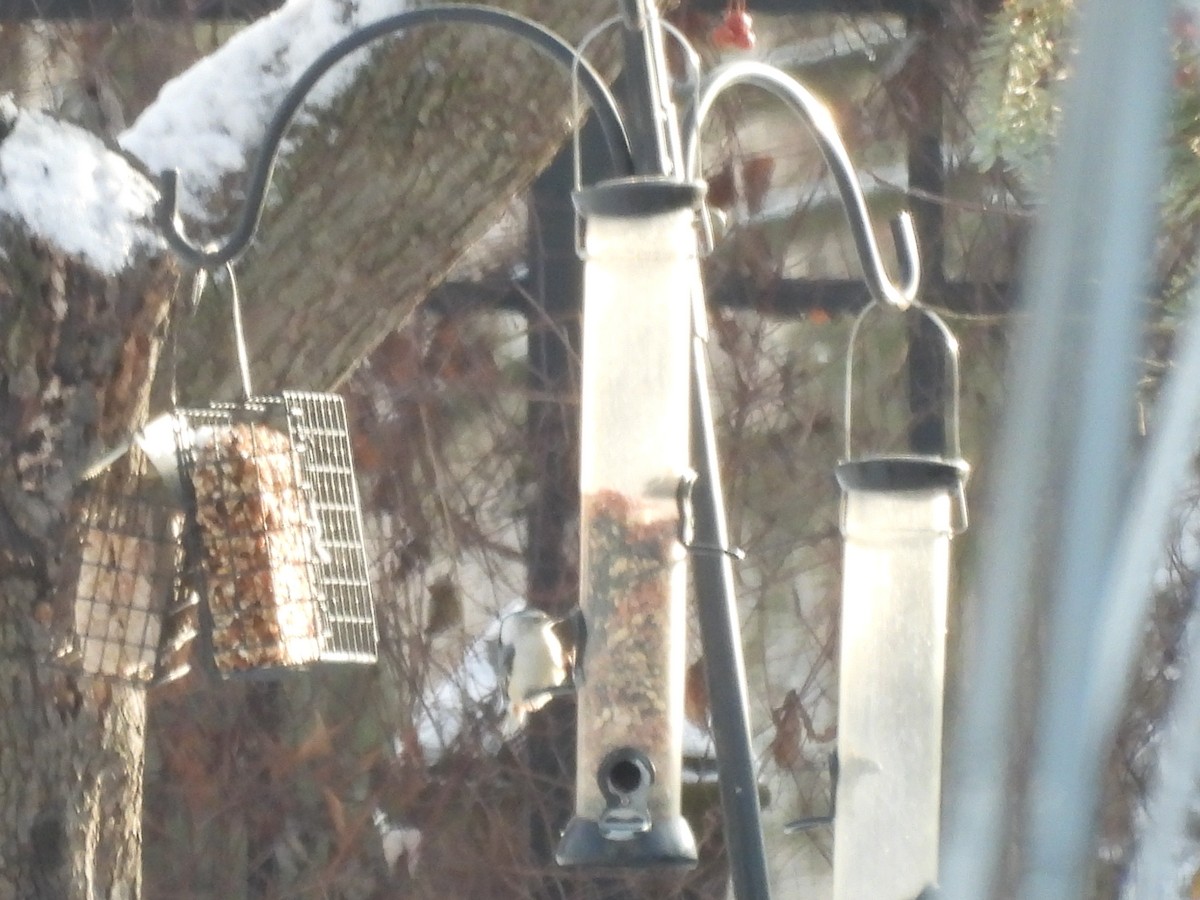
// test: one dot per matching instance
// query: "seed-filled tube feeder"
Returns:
(899, 513)
(641, 258)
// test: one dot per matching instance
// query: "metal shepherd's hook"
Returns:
(820, 123)
(213, 257)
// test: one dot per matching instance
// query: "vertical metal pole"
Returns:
(927, 182)
(720, 635)
(652, 123)
(650, 117)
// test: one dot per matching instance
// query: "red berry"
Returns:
(736, 30)
(722, 36)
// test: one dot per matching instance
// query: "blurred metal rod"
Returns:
(1162, 479)
(1062, 465)
(1113, 166)
(1156, 867)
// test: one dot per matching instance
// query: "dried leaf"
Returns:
(317, 744)
(445, 606)
(785, 744)
(337, 815)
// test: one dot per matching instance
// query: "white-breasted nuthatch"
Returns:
(532, 665)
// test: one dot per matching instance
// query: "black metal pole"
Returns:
(720, 636)
(651, 122)
(927, 183)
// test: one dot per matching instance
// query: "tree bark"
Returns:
(383, 194)
(76, 357)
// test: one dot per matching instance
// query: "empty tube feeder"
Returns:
(899, 513)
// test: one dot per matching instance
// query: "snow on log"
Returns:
(67, 189)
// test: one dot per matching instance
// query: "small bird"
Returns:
(532, 665)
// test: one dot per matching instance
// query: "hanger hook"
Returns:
(820, 122)
(212, 257)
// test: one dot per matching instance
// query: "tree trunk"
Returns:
(76, 357)
(383, 193)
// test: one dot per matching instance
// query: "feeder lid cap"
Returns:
(639, 195)
(902, 473)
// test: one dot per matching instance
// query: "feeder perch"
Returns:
(899, 513)
(127, 615)
(641, 258)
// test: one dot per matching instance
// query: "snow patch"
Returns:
(467, 692)
(209, 121)
(64, 186)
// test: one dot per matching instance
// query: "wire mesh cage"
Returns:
(278, 532)
(124, 612)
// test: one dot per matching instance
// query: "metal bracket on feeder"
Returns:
(908, 471)
(687, 521)
(626, 832)
(809, 822)
(691, 62)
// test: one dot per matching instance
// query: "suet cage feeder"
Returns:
(124, 613)
(899, 513)
(236, 524)
(277, 534)
(275, 527)
(640, 255)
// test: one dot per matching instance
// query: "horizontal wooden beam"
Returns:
(784, 298)
(797, 297)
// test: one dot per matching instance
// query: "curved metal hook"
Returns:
(543, 39)
(820, 123)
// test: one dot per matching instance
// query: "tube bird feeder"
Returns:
(899, 513)
(641, 258)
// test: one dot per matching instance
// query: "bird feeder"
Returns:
(899, 513)
(276, 529)
(122, 612)
(641, 254)
(275, 508)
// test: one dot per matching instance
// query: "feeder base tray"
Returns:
(666, 843)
